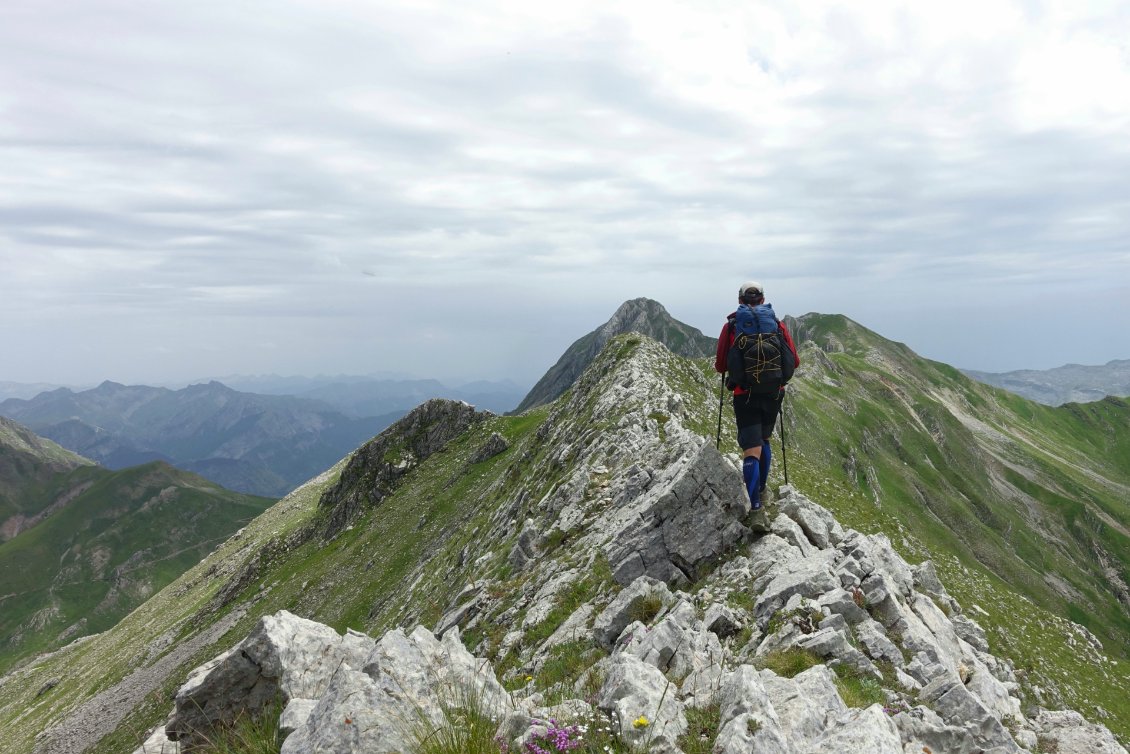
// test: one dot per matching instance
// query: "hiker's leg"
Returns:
(749, 438)
(766, 462)
(769, 410)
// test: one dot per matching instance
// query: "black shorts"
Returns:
(755, 415)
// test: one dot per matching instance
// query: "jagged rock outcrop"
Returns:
(846, 601)
(375, 468)
(688, 519)
(640, 315)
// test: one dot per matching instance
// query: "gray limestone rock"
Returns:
(398, 696)
(525, 548)
(818, 524)
(790, 531)
(644, 702)
(283, 656)
(686, 522)
(835, 647)
(959, 708)
(768, 557)
(868, 730)
(877, 644)
(722, 620)
(841, 602)
(1072, 734)
(677, 645)
(921, 728)
(495, 445)
(612, 621)
(805, 704)
(970, 632)
(158, 743)
(810, 577)
(748, 721)
(375, 469)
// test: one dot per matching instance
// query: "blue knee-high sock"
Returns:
(766, 461)
(751, 471)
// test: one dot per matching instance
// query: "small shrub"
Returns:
(752, 725)
(644, 608)
(1046, 745)
(789, 662)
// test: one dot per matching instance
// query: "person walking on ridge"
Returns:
(756, 350)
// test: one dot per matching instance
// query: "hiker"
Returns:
(757, 351)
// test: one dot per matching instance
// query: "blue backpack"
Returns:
(759, 361)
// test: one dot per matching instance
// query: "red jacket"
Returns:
(726, 340)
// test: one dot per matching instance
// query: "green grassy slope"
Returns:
(947, 468)
(124, 537)
(30, 467)
(1024, 507)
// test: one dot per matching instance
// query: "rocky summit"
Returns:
(603, 586)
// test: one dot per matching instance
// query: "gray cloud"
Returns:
(317, 187)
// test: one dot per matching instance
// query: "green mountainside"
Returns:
(1023, 509)
(1035, 495)
(111, 540)
(30, 467)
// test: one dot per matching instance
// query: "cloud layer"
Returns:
(351, 187)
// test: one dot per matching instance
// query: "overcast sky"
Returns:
(210, 188)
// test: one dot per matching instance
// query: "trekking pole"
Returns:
(721, 400)
(784, 443)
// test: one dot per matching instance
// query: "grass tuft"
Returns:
(789, 662)
(702, 729)
(249, 734)
(858, 690)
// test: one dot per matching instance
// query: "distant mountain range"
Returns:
(24, 389)
(258, 444)
(81, 546)
(375, 395)
(1073, 383)
(263, 444)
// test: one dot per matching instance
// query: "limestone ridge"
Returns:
(640, 315)
(951, 695)
(641, 558)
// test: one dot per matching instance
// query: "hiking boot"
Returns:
(758, 521)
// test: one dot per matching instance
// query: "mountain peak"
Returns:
(639, 315)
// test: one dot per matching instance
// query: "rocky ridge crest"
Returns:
(643, 316)
(643, 561)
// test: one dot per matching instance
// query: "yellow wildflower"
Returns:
(640, 722)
